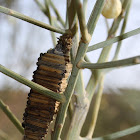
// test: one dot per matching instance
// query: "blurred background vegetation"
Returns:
(19, 49)
(117, 112)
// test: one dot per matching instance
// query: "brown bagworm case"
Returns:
(52, 72)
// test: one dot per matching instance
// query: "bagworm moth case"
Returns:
(53, 69)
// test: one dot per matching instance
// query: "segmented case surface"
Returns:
(53, 69)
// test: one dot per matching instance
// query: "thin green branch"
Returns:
(11, 116)
(75, 71)
(107, 24)
(3, 135)
(47, 4)
(34, 86)
(46, 11)
(115, 26)
(42, 7)
(119, 134)
(113, 40)
(80, 87)
(84, 32)
(95, 15)
(86, 58)
(116, 23)
(78, 119)
(106, 51)
(122, 31)
(103, 58)
(57, 14)
(96, 107)
(31, 20)
(72, 21)
(72, 17)
(125, 62)
(116, 135)
(71, 109)
(81, 107)
(85, 7)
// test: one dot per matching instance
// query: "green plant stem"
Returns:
(4, 136)
(116, 135)
(122, 31)
(31, 20)
(119, 134)
(85, 7)
(82, 22)
(42, 7)
(80, 87)
(113, 40)
(107, 24)
(72, 22)
(34, 86)
(78, 118)
(72, 17)
(71, 12)
(47, 3)
(86, 58)
(96, 108)
(116, 23)
(125, 62)
(94, 16)
(71, 109)
(114, 28)
(57, 14)
(75, 71)
(103, 58)
(11, 116)
(104, 54)
(81, 107)
(46, 11)
(68, 93)
(73, 26)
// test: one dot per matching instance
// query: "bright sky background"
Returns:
(40, 41)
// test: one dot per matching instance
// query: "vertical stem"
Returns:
(50, 20)
(46, 11)
(72, 17)
(82, 22)
(103, 58)
(68, 93)
(75, 71)
(80, 88)
(57, 14)
(105, 53)
(11, 116)
(107, 24)
(96, 108)
(81, 109)
(73, 26)
(78, 120)
(122, 31)
(85, 7)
